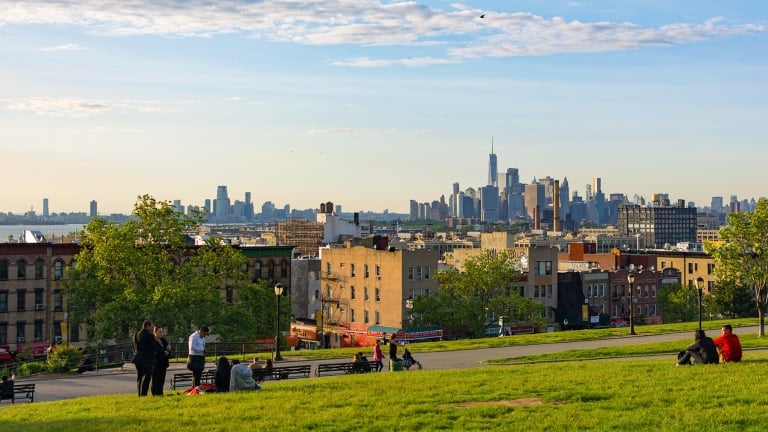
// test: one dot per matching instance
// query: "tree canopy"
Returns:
(479, 294)
(146, 268)
(741, 255)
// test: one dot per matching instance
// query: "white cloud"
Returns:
(58, 107)
(340, 131)
(65, 47)
(365, 23)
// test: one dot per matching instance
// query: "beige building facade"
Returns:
(366, 293)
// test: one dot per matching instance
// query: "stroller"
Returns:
(409, 360)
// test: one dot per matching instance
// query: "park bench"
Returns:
(284, 372)
(183, 380)
(23, 392)
(344, 368)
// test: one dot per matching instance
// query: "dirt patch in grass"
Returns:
(523, 402)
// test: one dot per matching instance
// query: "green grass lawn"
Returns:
(602, 395)
(637, 394)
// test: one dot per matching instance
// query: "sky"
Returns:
(371, 104)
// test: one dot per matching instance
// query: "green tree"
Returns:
(741, 255)
(146, 268)
(253, 313)
(678, 303)
(483, 290)
(730, 300)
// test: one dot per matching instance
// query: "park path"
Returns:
(116, 381)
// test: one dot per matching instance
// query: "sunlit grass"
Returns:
(601, 395)
(521, 340)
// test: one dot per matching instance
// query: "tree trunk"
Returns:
(761, 316)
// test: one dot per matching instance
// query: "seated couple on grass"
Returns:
(704, 350)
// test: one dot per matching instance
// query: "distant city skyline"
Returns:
(374, 103)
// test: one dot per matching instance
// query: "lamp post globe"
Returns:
(278, 294)
(631, 280)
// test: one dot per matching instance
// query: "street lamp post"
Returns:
(278, 294)
(699, 289)
(631, 280)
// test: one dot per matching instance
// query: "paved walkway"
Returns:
(116, 381)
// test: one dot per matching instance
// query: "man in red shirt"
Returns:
(729, 345)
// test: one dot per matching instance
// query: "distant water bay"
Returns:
(50, 232)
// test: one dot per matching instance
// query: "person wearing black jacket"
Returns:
(161, 362)
(701, 351)
(145, 351)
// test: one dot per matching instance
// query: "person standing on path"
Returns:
(378, 356)
(145, 352)
(161, 362)
(196, 361)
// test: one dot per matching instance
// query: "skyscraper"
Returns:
(489, 195)
(45, 208)
(221, 204)
(493, 170)
(94, 209)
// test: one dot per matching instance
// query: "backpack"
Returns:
(201, 389)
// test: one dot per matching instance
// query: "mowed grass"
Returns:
(601, 395)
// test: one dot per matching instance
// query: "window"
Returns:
(418, 272)
(377, 318)
(21, 269)
(58, 269)
(57, 331)
(271, 269)
(365, 269)
(58, 301)
(39, 266)
(244, 268)
(3, 333)
(378, 271)
(352, 270)
(352, 292)
(228, 294)
(74, 333)
(21, 331)
(328, 269)
(284, 269)
(378, 298)
(365, 293)
(549, 291)
(21, 300)
(4, 269)
(543, 268)
(257, 270)
(426, 272)
(352, 315)
(410, 272)
(39, 299)
(653, 290)
(317, 294)
(38, 333)
(710, 268)
(3, 301)
(366, 319)
(663, 264)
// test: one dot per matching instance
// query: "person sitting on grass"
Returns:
(729, 345)
(701, 351)
(242, 377)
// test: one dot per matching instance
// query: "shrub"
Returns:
(30, 368)
(63, 359)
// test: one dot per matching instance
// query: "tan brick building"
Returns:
(366, 293)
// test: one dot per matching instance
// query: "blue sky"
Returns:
(372, 103)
